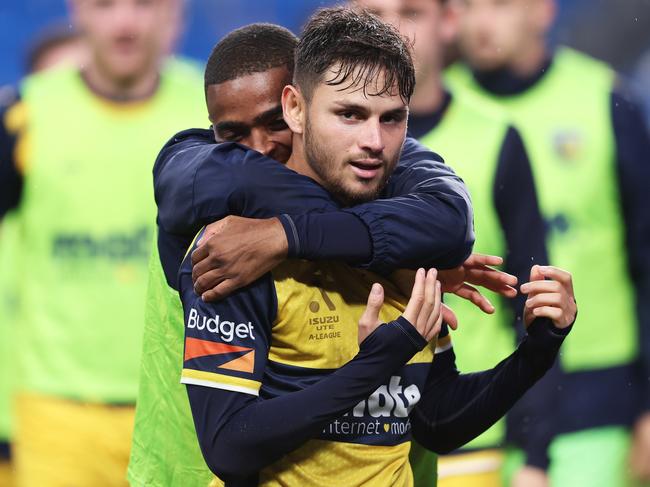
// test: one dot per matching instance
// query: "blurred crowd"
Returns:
(497, 94)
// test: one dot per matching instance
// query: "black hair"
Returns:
(251, 49)
(360, 46)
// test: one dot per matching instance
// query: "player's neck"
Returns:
(428, 94)
(136, 88)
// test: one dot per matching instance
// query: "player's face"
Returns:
(126, 37)
(417, 20)
(248, 110)
(353, 140)
(494, 33)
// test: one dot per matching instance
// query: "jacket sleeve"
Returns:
(424, 219)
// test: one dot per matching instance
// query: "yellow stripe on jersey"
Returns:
(220, 381)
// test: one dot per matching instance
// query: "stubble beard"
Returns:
(324, 165)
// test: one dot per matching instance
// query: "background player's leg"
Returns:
(92, 451)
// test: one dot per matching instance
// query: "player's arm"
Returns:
(198, 182)
(633, 170)
(455, 408)
(11, 179)
(239, 432)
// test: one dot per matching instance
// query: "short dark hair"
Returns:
(251, 49)
(361, 44)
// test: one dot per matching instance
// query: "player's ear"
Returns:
(293, 108)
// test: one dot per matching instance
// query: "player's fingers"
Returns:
(437, 327)
(551, 312)
(483, 259)
(370, 316)
(417, 298)
(204, 266)
(208, 280)
(492, 279)
(475, 297)
(558, 274)
(435, 317)
(535, 287)
(536, 273)
(449, 317)
(545, 299)
(429, 305)
(200, 253)
(221, 291)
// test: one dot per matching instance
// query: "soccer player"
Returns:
(589, 149)
(260, 342)
(507, 219)
(244, 79)
(76, 167)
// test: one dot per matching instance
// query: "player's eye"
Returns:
(349, 115)
(393, 118)
(228, 136)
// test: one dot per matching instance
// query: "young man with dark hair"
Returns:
(259, 342)
(588, 146)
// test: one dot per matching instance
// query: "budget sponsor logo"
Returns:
(226, 330)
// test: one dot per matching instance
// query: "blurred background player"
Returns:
(589, 152)
(488, 153)
(57, 45)
(77, 155)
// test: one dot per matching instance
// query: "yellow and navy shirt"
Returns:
(278, 341)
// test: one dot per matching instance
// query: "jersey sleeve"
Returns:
(455, 408)
(226, 342)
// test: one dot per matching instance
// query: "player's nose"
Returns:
(371, 137)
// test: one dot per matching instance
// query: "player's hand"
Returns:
(477, 271)
(640, 451)
(370, 318)
(404, 280)
(424, 309)
(528, 476)
(234, 252)
(550, 295)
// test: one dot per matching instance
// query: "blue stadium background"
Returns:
(615, 30)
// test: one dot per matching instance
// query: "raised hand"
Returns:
(550, 295)
(477, 271)
(423, 311)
